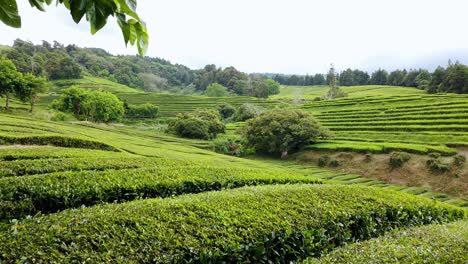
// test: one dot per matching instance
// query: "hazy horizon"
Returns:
(297, 37)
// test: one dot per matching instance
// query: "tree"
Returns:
(98, 106)
(273, 87)
(423, 79)
(153, 83)
(226, 110)
(280, 131)
(246, 111)
(33, 87)
(456, 79)
(216, 90)
(410, 79)
(438, 77)
(200, 124)
(347, 78)
(396, 78)
(319, 79)
(11, 81)
(334, 91)
(96, 12)
(379, 77)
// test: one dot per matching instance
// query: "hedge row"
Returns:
(382, 147)
(431, 122)
(46, 193)
(42, 166)
(58, 141)
(268, 224)
(427, 244)
(44, 152)
(457, 127)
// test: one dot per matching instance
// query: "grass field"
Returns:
(79, 191)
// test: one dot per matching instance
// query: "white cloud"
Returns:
(295, 36)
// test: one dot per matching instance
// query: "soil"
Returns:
(413, 173)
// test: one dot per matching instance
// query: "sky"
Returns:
(278, 36)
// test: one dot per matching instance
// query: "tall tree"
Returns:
(33, 86)
(11, 81)
(379, 77)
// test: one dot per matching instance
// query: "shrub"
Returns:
(280, 131)
(58, 116)
(98, 106)
(216, 90)
(246, 111)
(230, 146)
(142, 111)
(428, 244)
(459, 160)
(323, 160)
(434, 155)
(200, 124)
(226, 110)
(53, 140)
(163, 178)
(281, 224)
(397, 159)
(334, 163)
(437, 165)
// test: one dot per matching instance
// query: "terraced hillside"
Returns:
(76, 191)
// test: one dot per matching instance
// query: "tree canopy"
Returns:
(280, 131)
(96, 13)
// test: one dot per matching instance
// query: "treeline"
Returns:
(56, 61)
(452, 79)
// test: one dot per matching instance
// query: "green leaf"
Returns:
(37, 4)
(9, 13)
(77, 9)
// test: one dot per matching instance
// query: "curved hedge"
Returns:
(267, 224)
(46, 152)
(428, 244)
(46, 193)
(42, 166)
(54, 140)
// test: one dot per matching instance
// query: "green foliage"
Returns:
(379, 77)
(216, 90)
(397, 159)
(273, 87)
(279, 131)
(133, 28)
(334, 163)
(11, 81)
(437, 165)
(98, 106)
(60, 66)
(160, 178)
(456, 79)
(280, 224)
(141, 111)
(333, 93)
(246, 111)
(226, 110)
(323, 160)
(200, 124)
(459, 160)
(54, 140)
(428, 244)
(233, 146)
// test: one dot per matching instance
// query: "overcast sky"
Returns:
(288, 36)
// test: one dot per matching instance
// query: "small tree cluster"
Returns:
(26, 87)
(97, 106)
(280, 131)
(200, 124)
(247, 111)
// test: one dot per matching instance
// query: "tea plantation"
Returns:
(96, 193)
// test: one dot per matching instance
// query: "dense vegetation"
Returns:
(249, 224)
(434, 244)
(452, 79)
(280, 131)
